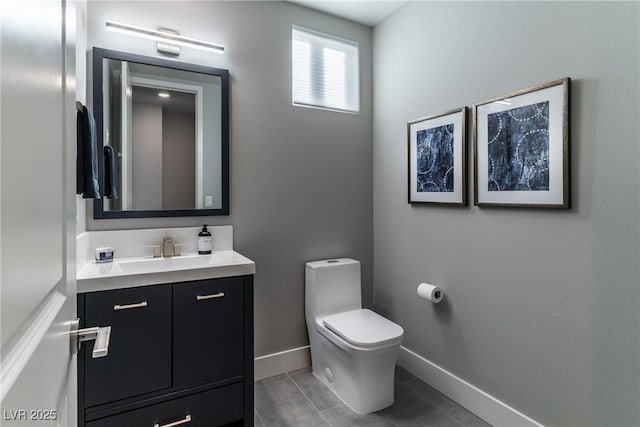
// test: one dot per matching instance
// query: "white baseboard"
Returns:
(471, 397)
(281, 362)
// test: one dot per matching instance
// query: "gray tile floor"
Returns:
(299, 399)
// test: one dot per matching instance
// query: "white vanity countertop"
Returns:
(143, 271)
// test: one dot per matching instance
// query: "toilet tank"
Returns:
(332, 286)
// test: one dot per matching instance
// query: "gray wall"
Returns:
(301, 179)
(146, 148)
(178, 160)
(542, 306)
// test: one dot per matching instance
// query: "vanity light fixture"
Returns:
(163, 95)
(164, 36)
(166, 48)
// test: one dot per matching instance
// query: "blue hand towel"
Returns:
(87, 172)
(79, 154)
(110, 183)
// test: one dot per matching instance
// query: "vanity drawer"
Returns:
(207, 330)
(207, 409)
(139, 359)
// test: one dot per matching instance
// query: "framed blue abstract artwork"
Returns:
(521, 148)
(437, 158)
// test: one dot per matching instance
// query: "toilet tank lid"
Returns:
(334, 262)
(363, 327)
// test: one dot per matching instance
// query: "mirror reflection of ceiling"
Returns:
(177, 101)
(160, 72)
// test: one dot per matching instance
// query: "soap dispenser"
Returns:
(205, 241)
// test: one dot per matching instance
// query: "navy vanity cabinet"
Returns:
(139, 359)
(177, 351)
(207, 330)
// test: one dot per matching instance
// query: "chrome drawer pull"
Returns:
(187, 419)
(218, 295)
(128, 306)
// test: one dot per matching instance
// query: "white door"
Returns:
(37, 212)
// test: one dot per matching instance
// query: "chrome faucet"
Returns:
(168, 247)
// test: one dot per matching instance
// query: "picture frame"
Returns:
(437, 171)
(521, 148)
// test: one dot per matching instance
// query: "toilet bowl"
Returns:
(353, 350)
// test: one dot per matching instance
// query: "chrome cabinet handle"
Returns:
(186, 419)
(202, 297)
(128, 306)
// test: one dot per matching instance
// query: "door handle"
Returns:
(100, 335)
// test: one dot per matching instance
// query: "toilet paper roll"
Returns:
(430, 292)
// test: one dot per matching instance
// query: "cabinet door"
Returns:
(208, 409)
(139, 359)
(207, 330)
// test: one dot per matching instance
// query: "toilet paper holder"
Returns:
(430, 292)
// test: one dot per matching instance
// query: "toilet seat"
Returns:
(363, 328)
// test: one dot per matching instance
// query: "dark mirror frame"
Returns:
(98, 56)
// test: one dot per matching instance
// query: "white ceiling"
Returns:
(368, 12)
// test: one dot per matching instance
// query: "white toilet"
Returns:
(353, 350)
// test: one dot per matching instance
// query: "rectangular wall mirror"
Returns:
(167, 123)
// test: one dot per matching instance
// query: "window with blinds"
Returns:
(325, 71)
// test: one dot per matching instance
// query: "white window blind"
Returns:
(325, 71)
